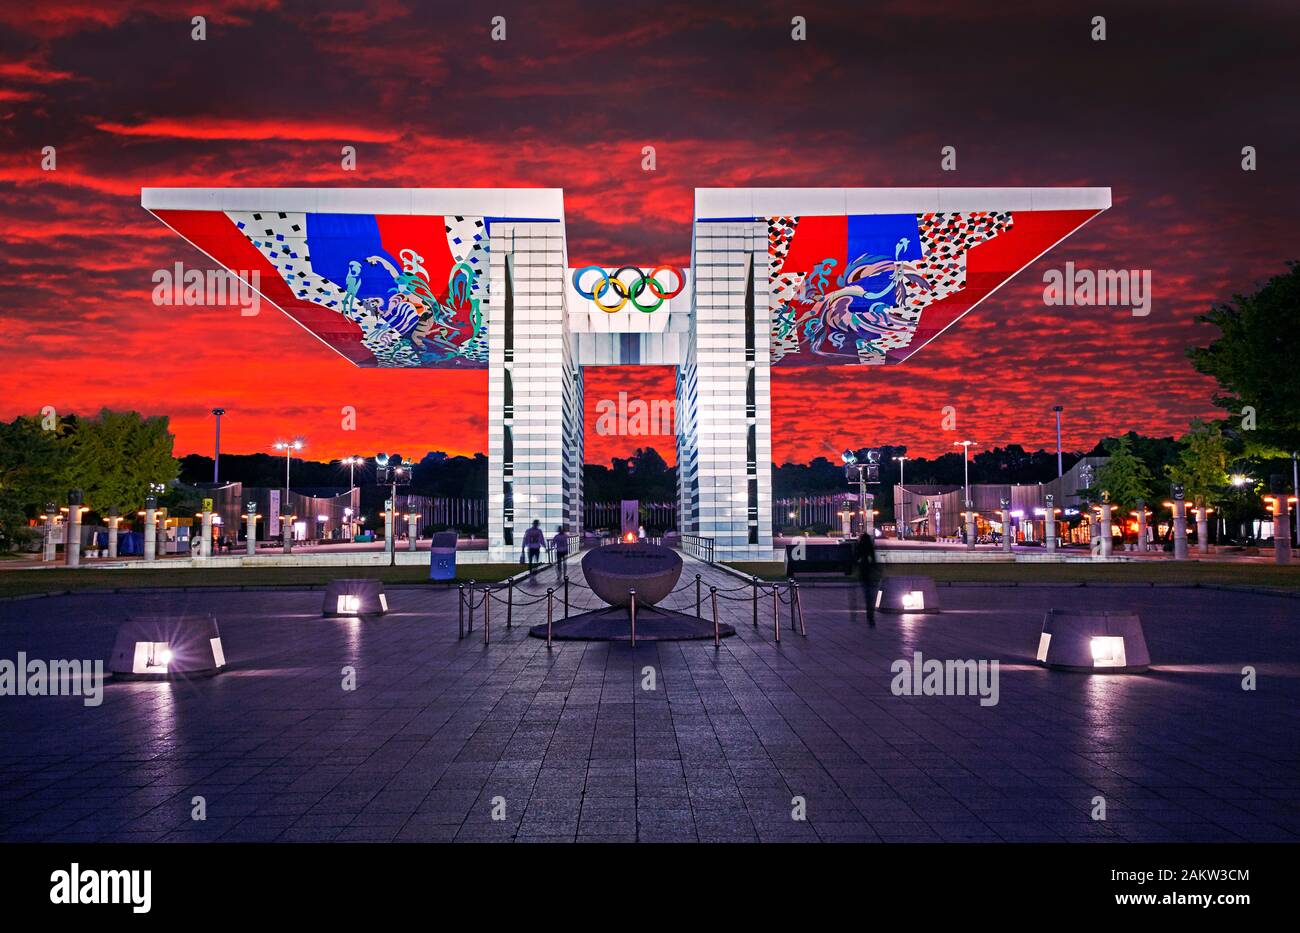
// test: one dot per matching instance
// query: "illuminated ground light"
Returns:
(163, 647)
(355, 598)
(907, 594)
(1099, 642)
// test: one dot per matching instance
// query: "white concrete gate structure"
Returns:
(812, 276)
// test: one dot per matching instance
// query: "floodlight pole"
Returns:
(969, 516)
(216, 451)
(1060, 470)
(902, 525)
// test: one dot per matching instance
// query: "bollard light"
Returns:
(162, 647)
(1107, 650)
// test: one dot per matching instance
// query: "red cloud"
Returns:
(234, 128)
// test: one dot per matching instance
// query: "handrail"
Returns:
(550, 546)
(698, 546)
(473, 595)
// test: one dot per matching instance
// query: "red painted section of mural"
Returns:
(991, 263)
(212, 232)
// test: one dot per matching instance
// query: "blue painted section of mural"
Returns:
(337, 241)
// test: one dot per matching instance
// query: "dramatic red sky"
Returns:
(1159, 111)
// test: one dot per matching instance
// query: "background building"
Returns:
(937, 510)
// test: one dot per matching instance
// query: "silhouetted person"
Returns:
(534, 541)
(869, 573)
(560, 544)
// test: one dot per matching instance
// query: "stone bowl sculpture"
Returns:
(615, 569)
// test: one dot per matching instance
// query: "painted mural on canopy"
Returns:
(401, 290)
(412, 284)
(853, 289)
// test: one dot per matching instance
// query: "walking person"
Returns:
(534, 541)
(869, 574)
(560, 544)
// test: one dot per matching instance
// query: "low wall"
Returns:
(343, 559)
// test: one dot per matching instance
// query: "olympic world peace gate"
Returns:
(476, 278)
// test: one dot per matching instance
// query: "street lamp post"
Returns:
(902, 523)
(396, 471)
(1060, 470)
(1239, 481)
(250, 537)
(1006, 525)
(216, 449)
(288, 447)
(1049, 522)
(862, 474)
(1295, 491)
(50, 548)
(150, 521)
(72, 540)
(1179, 507)
(970, 515)
(351, 464)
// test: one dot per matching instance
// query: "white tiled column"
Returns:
(731, 302)
(534, 398)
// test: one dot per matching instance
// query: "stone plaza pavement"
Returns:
(569, 745)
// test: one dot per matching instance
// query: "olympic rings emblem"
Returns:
(626, 292)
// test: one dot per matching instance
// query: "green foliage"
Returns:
(643, 476)
(1202, 465)
(33, 472)
(1156, 452)
(1253, 360)
(1125, 476)
(116, 455)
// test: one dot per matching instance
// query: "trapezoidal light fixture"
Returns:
(907, 594)
(1094, 641)
(164, 647)
(355, 598)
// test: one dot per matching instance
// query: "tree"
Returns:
(115, 456)
(1156, 452)
(1202, 465)
(1125, 477)
(1253, 361)
(33, 472)
(643, 476)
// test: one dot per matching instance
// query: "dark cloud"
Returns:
(1160, 112)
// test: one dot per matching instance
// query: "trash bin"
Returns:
(442, 556)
